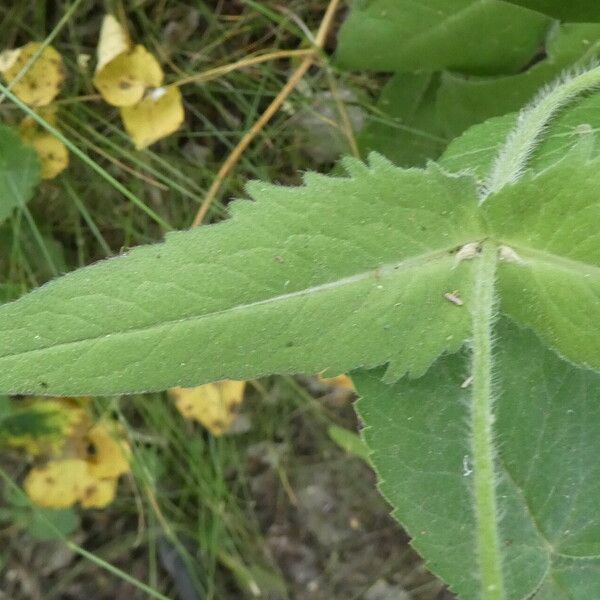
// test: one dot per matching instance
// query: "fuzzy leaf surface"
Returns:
(478, 146)
(552, 221)
(339, 273)
(473, 36)
(547, 416)
(19, 172)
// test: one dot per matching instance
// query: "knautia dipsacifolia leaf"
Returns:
(339, 273)
(547, 415)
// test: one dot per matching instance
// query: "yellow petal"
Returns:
(8, 59)
(99, 493)
(113, 41)
(59, 484)
(53, 154)
(214, 405)
(107, 456)
(123, 81)
(342, 382)
(42, 82)
(156, 116)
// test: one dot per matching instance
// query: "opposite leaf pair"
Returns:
(388, 266)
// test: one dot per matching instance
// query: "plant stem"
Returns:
(482, 419)
(205, 76)
(270, 111)
(514, 154)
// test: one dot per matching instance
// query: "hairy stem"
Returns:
(521, 142)
(482, 419)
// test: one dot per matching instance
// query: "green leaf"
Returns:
(417, 114)
(547, 415)
(41, 523)
(52, 523)
(551, 220)
(340, 273)
(464, 101)
(19, 172)
(405, 127)
(476, 149)
(430, 35)
(584, 11)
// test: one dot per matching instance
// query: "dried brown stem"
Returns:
(270, 111)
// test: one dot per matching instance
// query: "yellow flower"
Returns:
(124, 80)
(58, 484)
(42, 82)
(53, 154)
(131, 78)
(158, 115)
(107, 457)
(84, 462)
(214, 405)
(99, 493)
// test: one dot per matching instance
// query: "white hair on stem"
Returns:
(532, 121)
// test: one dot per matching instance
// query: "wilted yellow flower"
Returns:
(125, 79)
(214, 405)
(99, 493)
(131, 78)
(158, 115)
(84, 462)
(53, 154)
(107, 456)
(90, 480)
(58, 484)
(43, 80)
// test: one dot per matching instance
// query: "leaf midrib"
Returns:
(376, 274)
(527, 253)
